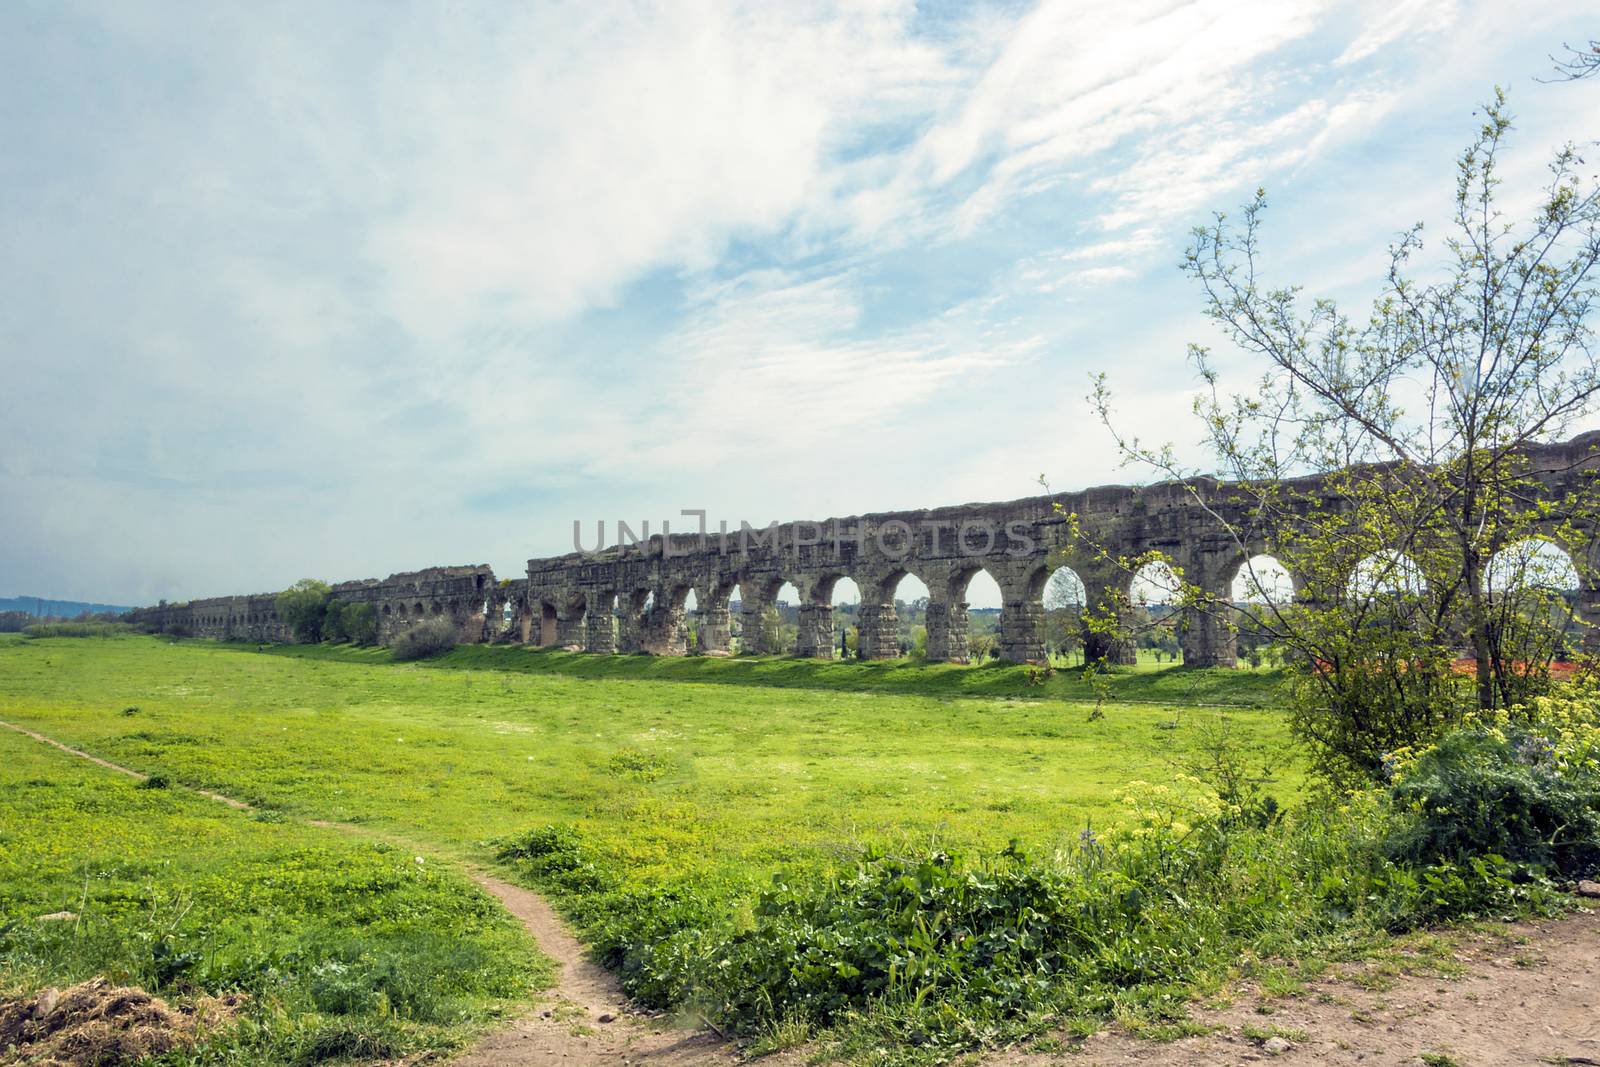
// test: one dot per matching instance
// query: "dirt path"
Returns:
(588, 1021)
(585, 1021)
(1529, 994)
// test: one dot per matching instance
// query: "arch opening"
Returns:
(1262, 586)
(980, 592)
(909, 595)
(1262, 579)
(1534, 601)
(735, 603)
(1153, 596)
(845, 631)
(782, 621)
(1387, 573)
(1532, 563)
(1061, 624)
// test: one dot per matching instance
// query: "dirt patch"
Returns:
(1527, 993)
(97, 1024)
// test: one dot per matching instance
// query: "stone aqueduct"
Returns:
(631, 598)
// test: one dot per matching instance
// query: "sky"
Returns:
(340, 290)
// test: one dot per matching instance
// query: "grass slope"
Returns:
(1149, 682)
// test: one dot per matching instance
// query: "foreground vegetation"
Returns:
(903, 874)
(913, 955)
(344, 948)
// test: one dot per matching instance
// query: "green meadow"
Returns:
(725, 766)
(344, 947)
(706, 772)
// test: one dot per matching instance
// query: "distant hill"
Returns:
(34, 605)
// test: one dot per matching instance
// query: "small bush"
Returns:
(425, 639)
(1497, 792)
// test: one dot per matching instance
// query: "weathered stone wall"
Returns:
(631, 598)
(464, 595)
(226, 618)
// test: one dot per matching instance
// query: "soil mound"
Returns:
(96, 1024)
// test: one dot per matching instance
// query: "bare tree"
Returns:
(1579, 62)
(1425, 414)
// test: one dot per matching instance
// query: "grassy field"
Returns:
(345, 946)
(722, 767)
(708, 773)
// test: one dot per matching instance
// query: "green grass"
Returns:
(723, 767)
(705, 776)
(343, 944)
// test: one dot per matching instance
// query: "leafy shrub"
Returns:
(931, 951)
(425, 639)
(355, 623)
(656, 938)
(1498, 792)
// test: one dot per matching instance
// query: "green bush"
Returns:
(929, 953)
(425, 639)
(939, 952)
(1498, 792)
(360, 623)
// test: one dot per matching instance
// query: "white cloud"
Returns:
(1392, 21)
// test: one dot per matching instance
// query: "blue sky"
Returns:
(344, 289)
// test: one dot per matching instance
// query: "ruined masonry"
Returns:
(632, 598)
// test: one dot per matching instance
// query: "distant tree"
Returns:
(333, 621)
(303, 607)
(1062, 625)
(980, 646)
(355, 623)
